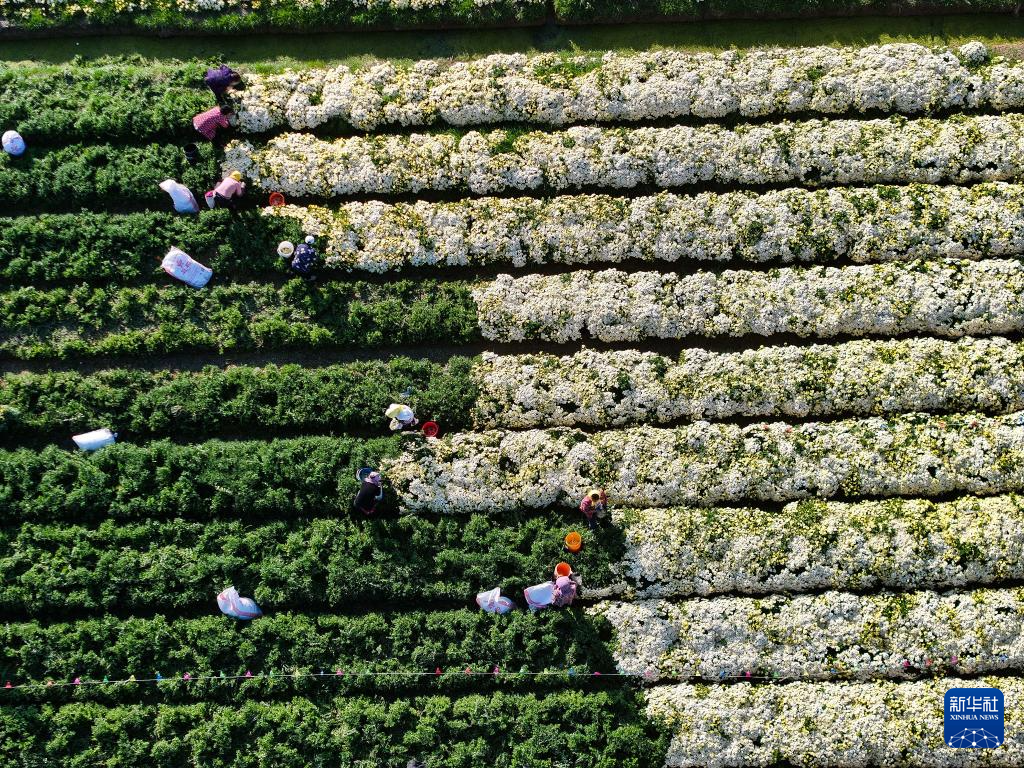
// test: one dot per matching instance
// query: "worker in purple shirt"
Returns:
(221, 79)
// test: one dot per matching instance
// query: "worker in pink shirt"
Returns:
(207, 123)
(594, 504)
(227, 192)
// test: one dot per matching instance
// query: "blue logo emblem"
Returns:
(974, 718)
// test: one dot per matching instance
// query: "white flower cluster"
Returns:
(817, 637)
(958, 149)
(551, 89)
(825, 724)
(941, 296)
(912, 454)
(814, 544)
(862, 224)
(619, 388)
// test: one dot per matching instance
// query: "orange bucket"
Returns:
(276, 199)
(562, 569)
(573, 541)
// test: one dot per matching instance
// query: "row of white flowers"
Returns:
(912, 454)
(791, 225)
(815, 544)
(618, 388)
(820, 637)
(941, 296)
(825, 724)
(816, 152)
(556, 90)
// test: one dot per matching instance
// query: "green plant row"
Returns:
(570, 728)
(325, 564)
(105, 248)
(109, 100)
(250, 479)
(101, 176)
(141, 405)
(285, 643)
(293, 15)
(90, 321)
(580, 11)
(275, 15)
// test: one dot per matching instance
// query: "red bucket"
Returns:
(276, 199)
(430, 429)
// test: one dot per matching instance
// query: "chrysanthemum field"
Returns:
(771, 300)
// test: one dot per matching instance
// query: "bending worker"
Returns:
(227, 193)
(594, 505)
(221, 80)
(370, 493)
(304, 260)
(401, 417)
(206, 123)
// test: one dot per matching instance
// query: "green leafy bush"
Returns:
(639, 10)
(108, 100)
(124, 247)
(251, 479)
(322, 564)
(412, 641)
(168, 15)
(567, 728)
(144, 404)
(100, 176)
(90, 321)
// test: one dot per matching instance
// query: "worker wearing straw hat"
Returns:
(402, 417)
(227, 192)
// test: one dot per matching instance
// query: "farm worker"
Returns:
(13, 144)
(370, 492)
(207, 123)
(227, 192)
(565, 592)
(182, 197)
(401, 417)
(304, 260)
(220, 79)
(594, 504)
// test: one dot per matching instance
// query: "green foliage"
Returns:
(100, 176)
(129, 482)
(321, 564)
(88, 321)
(638, 10)
(145, 404)
(107, 101)
(124, 247)
(412, 641)
(164, 15)
(575, 729)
